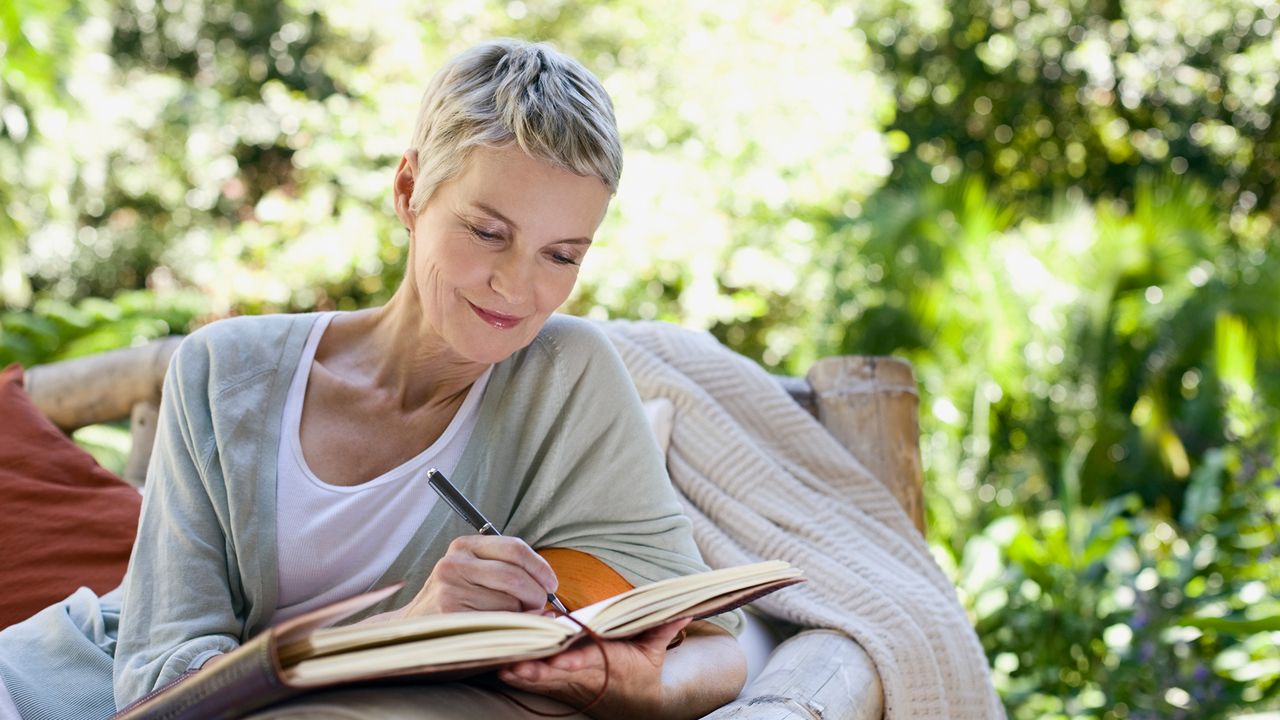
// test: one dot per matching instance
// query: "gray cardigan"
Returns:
(561, 456)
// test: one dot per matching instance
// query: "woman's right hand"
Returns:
(484, 572)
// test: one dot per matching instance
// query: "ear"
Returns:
(402, 186)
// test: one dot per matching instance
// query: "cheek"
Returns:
(449, 262)
(556, 289)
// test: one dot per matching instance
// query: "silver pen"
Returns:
(463, 507)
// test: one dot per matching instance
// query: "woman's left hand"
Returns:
(637, 685)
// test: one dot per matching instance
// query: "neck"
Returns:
(394, 349)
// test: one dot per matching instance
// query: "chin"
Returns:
(492, 350)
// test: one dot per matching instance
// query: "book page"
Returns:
(665, 599)
(327, 641)
(438, 651)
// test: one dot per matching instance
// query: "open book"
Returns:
(303, 654)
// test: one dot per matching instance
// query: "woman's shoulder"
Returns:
(567, 333)
(570, 343)
(239, 346)
(249, 327)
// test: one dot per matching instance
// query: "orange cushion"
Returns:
(66, 522)
(583, 578)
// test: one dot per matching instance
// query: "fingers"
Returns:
(486, 573)
(586, 656)
(576, 659)
(571, 663)
(501, 565)
(565, 669)
(577, 675)
(513, 551)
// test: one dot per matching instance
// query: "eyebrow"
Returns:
(489, 209)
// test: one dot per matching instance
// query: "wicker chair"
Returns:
(868, 403)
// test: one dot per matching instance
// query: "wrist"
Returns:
(387, 616)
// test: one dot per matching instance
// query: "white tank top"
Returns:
(335, 541)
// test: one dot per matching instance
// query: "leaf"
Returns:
(1033, 558)
(1204, 491)
(1236, 352)
(1233, 626)
(114, 335)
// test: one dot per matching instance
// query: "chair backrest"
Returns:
(869, 404)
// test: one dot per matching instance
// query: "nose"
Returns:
(512, 278)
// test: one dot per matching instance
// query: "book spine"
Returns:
(245, 680)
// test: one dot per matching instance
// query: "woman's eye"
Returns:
(564, 259)
(485, 235)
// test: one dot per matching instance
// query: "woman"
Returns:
(290, 459)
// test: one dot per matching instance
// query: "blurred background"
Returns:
(1062, 212)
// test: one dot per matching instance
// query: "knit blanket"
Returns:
(762, 479)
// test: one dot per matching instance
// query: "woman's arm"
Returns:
(178, 607)
(646, 679)
(704, 672)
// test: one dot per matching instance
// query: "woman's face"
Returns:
(497, 248)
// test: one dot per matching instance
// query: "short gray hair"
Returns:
(510, 91)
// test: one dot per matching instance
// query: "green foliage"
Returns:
(1085, 339)
(1112, 611)
(1063, 212)
(56, 330)
(1036, 97)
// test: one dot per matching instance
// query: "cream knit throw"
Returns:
(761, 479)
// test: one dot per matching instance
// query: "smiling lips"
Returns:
(498, 320)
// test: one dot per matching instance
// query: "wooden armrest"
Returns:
(870, 405)
(106, 387)
(815, 675)
(102, 387)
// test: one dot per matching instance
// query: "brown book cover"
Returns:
(305, 654)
